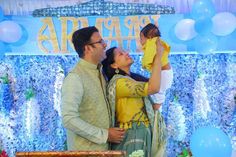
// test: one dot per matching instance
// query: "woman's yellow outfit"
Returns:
(129, 102)
(133, 110)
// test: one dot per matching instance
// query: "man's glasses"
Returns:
(98, 42)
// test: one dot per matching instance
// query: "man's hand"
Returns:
(116, 135)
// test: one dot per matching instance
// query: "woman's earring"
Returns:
(117, 71)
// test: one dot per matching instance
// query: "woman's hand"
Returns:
(155, 79)
(160, 47)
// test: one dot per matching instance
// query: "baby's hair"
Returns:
(150, 31)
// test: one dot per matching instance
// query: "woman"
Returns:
(128, 98)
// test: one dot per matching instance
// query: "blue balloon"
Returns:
(1, 14)
(2, 50)
(2, 47)
(205, 44)
(227, 43)
(203, 9)
(190, 45)
(203, 26)
(210, 142)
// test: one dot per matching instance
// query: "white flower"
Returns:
(137, 153)
(201, 102)
(176, 122)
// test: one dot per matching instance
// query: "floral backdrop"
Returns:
(203, 93)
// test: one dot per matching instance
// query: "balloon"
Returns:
(2, 50)
(173, 37)
(23, 39)
(10, 31)
(203, 9)
(224, 23)
(205, 44)
(203, 26)
(210, 142)
(190, 45)
(184, 29)
(2, 47)
(227, 43)
(1, 14)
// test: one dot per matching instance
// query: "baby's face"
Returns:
(143, 39)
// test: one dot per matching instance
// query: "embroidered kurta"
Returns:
(129, 102)
(85, 112)
(131, 114)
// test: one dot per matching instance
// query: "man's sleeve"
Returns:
(72, 93)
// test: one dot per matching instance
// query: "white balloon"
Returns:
(224, 23)
(184, 29)
(10, 31)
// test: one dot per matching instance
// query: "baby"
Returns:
(149, 37)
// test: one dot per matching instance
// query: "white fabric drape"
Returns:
(26, 7)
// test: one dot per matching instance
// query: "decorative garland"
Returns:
(32, 119)
(185, 153)
(176, 121)
(57, 94)
(201, 103)
(102, 8)
(7, 96)
(229, 106)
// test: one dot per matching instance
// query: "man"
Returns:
(85, 110)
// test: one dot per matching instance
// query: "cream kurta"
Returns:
(85, 111)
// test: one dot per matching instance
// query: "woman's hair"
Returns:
(110, 72)
(150, 31)
(138, 77)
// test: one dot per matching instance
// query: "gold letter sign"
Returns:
(57, 39)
